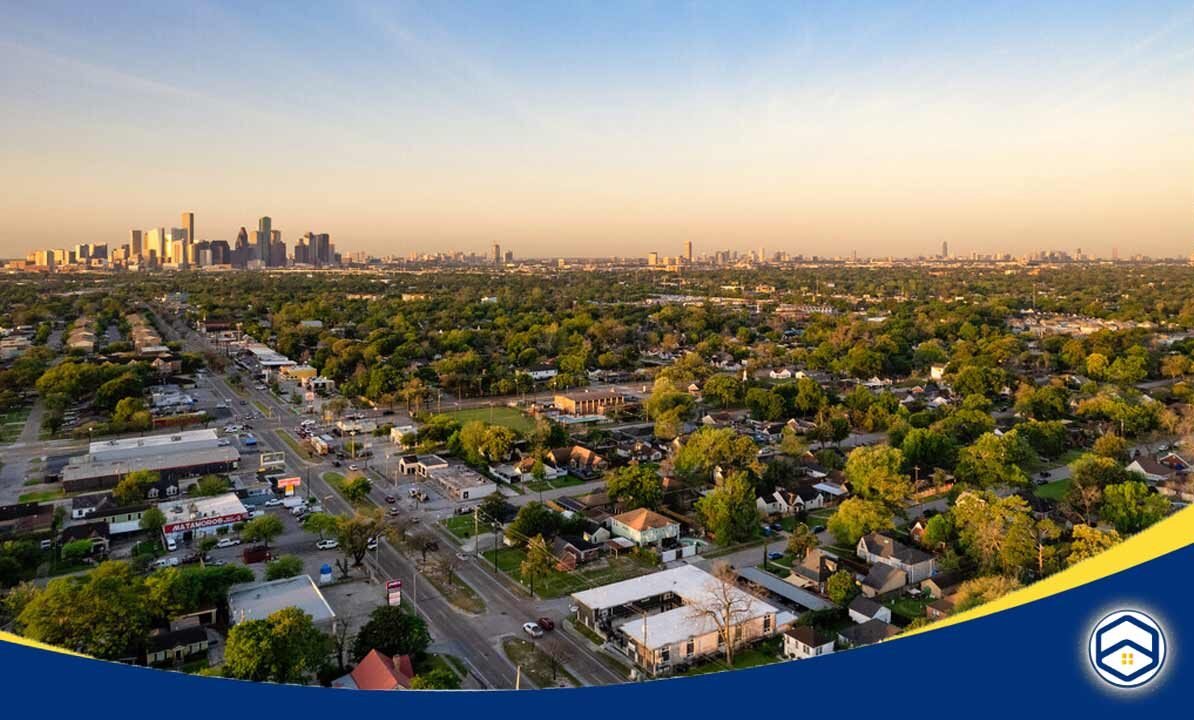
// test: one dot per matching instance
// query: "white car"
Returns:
(171, 546)
(228, 542)
(166, 562)
(372, 544)
(353, 467)
(272, 502)
(532, 629)
(327, 544)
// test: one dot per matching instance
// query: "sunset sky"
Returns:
(600, 128)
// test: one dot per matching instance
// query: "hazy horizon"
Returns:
(604, 128)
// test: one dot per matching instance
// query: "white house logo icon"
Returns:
(1127, 648)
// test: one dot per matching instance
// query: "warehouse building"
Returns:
(257, 601)
(85, 473)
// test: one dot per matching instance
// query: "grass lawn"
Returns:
(1065, 458)
(41, 496)
(820, 516)
(301, 448)
(435, 661)
(780, 567)
(337, 481)
(537, 664)
(463, 526)
(560, 482)
(1055, 490)
(11, 424)
(907, 607)
(497, 415)
(764, 653)
(557, 584)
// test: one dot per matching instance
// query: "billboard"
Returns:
(289, 484)
(394, 592)
(270, 460)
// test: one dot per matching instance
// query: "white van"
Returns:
(171, 546)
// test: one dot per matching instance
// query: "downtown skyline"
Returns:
(879, 129)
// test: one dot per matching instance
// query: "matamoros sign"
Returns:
(186, 525)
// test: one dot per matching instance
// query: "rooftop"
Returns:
(643, 519)
(688, 582)
(162, 461)
(257, 601)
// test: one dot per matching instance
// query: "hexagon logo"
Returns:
(1127, 648)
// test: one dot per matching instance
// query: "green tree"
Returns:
(994, 461)
(723, 390)
(1111, 446)
(841, 587)
(132, 488)
(103, 613)
(710, 448)
(927, 449)
(211, 485)
(1087, 541)
(538, 561)
(856, 517)
(728, 511)
(263, 529)
(876, 473)
(437, 679)
(393, 631)
(285, 647)
(152, 520)
(980, 590)
(1131, 506)
(533, 519)
(635, 486)
(356, 489)
(764, 404)
(801, 541)
(286, 566)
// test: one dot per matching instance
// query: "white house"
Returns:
(805, 641)
(880, 549)
(644, 527)
(541, 373)
(780, 374)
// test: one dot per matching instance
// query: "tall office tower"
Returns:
(688, 251)
(652, 258)
(188, 224)
(240, 251)
(497, 254)
(99, 250)
(277, 251)
(135, 242)
(82, 253)
(509, 256)
(944, 249)
(262, 238)
(221, 254)
(299, 254)
(762, 253)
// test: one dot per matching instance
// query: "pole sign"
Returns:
(270, 460)
(394, 592)
(289, 484)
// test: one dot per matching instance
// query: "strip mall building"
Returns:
(192, 518)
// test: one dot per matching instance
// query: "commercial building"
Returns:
(192, 518)
(589, 403)
(660, 620)
(257, 601)
(174, 456)
(461, 483)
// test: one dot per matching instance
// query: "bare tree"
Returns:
(725, 605)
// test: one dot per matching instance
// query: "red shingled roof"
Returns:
(378, 671)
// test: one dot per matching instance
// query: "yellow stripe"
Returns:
(1173, 533)
(18, 640)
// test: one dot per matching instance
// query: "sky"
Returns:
(604, 128)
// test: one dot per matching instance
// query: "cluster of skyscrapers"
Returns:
(179, 248)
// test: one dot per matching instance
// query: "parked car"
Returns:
(372, 544)
(390, 499)
(776, 527)
(353, 467)
(228, 542)
(546, 623)
(327, 544)
(273, 502)
(393, 512)
(775, 556)
(166, 562)
(818, 529)
(532, 629)
(335, 463)
(171, 545)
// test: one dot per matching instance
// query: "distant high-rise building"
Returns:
(497, 254)
(241, 250)
(221, 254)
(652, 258)
(261, 239)
(688, 251)
(188, 224)
(944, 249)
(509, 256)
(135, 242)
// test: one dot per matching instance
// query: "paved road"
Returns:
(476, 639)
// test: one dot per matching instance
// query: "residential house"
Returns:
(814, 570)
(577, 459)
(173, 647)
(879, 548)
(644, 527)
(862, 609)
(882, 580)
(805, 641)
(378, 671)
(1153, 471)
(867, 633)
